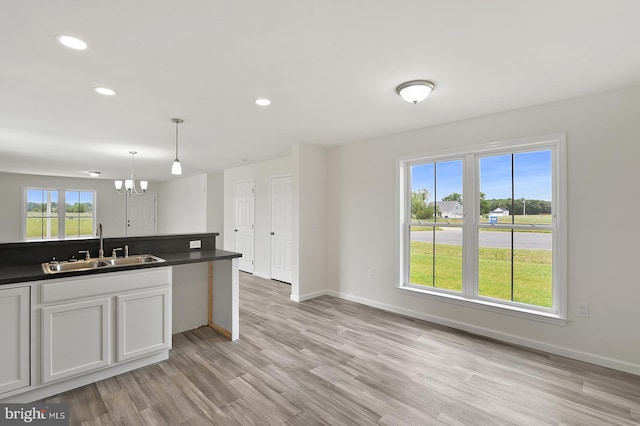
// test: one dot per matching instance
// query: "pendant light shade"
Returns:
(176, 168)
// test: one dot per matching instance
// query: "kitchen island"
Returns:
(65, 330)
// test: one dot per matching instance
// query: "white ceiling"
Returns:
(330, 68)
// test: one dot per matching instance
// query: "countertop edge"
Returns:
(26, 273)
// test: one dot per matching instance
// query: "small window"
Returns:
(46, 219)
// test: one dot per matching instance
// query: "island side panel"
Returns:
(226, 300)
(190, 306)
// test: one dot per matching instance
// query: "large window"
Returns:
(484, 226)
(59, 214)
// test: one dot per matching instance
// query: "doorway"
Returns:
(281, 228)
(243, 226)
(141, 214)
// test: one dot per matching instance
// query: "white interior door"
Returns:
(141, 214)
(281, 228)
(243, 206)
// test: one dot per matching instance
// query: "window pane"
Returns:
(78, 214)
(436, 257)
(494, 264)
(532, 261)
(532, 187)
(422, 190)
(449, 191)
(516, 266)
(42, 216)
(495, 189)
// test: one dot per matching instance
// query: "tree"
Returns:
(453, 197)
(420, 208)
(484, 204)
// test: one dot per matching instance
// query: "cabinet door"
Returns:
(144, 323)
(75, 338)
(14, 335)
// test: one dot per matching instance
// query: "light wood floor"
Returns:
(330, 361)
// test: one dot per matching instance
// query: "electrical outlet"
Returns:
(370, 273)
(583, 309)
(195, 244)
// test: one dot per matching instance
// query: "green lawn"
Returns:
(75, 226)
(531, 270)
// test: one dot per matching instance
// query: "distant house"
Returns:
(449, 209)
(499, 212)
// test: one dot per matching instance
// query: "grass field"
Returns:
(531, 272)
(75, 226)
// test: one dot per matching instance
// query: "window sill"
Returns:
(486, 305)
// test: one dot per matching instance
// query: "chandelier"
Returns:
(130, 186)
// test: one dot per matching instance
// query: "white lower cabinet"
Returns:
(143, 323)
(102, 321)
(75, 338)
(14, 338)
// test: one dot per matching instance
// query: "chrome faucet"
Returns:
(101, 251)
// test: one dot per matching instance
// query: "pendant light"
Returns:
(130, 187)
(176, 168)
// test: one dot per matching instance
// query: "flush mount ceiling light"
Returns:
(94, 174)
(130, 186)
(104, 91)
(415, 91)
(176, 167)
(263, 102)
(72, 42)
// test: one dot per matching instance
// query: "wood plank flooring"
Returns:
(330, 361)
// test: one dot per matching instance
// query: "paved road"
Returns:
(522, 240)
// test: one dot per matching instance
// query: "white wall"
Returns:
(111, 207)
(309, 221)
(603, 150)
(261, 173)
(182, 205)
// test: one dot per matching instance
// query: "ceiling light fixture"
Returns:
(176, 168)
(415, 91)
(263, 102)
(104, 91)
(72, 42)
(130, 184)
(94, 174)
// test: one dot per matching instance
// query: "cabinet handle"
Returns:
(273, 233)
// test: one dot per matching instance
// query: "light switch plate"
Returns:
(195, 244)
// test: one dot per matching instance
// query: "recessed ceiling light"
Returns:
(263, 102)
(94, 174)
(105, 91)
(72, 42)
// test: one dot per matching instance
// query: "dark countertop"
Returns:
(24, 273)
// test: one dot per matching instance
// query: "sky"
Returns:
(532, 176)
(71, 197)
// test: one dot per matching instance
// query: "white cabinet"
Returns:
(75, 338)
(14, 338)
(90, 323)
(144, 324)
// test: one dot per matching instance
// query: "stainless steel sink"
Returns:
(105, 262)
(133, 260)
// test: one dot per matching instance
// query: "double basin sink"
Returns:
(100, 263)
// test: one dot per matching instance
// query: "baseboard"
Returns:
(602, 361)
(262, 275)
(308, 296)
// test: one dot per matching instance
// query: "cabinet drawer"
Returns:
(107, 283)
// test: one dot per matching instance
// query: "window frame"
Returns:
(62, 202)
(471, 226)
